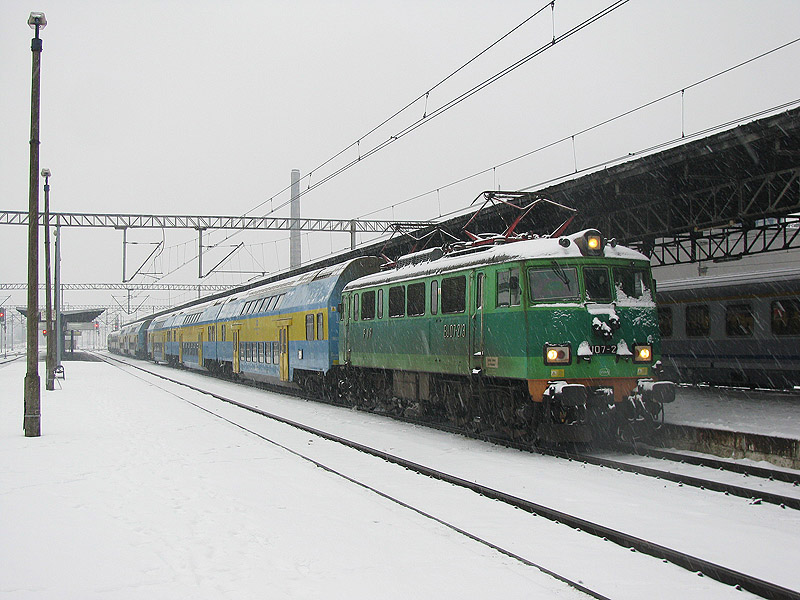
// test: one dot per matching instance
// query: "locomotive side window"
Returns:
(454, 294)
(434, 297)
(785, 316)
(309, 328)
(553, 283)
(665, 321)
(397, 301)
(367, 306)
(508, 292)
(739, 320)
(632, 283)
(355, 307)
(479, 291)
(416, 299)
(598, 286)
(697, 320)
(380, 304)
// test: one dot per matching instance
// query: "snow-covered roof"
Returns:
(539, 248)
(777, 276)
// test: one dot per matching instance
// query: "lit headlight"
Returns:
(642, 353)
(557, 355)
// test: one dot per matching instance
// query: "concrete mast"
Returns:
(294, 237)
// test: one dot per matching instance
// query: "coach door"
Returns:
(283, 343)
(476, 306)
(180, 347)
(235, 350)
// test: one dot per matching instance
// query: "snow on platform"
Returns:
(132, 493)
(762, 412)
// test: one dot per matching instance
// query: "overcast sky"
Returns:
(203, 107)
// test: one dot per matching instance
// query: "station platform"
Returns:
(760, 425)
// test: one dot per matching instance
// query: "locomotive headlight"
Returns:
(590, 243)
(557, 354)
(593, 242)
(642, 353)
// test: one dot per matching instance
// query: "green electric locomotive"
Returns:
(551, 338)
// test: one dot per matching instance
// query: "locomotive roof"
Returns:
(540, 248)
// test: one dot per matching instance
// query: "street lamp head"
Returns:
(46, 173)
(37, 20)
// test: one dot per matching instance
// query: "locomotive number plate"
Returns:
(604, 349)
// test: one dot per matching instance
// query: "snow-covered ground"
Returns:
(134, 492)
(747, 411)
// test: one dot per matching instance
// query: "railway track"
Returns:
(692, 563)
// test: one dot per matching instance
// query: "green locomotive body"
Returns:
(545, 334)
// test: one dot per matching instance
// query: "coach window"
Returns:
(367, 306)
(380, 304)
(597, 284)
(698, 323)
(320, 326)
(739, 320)
(785, 316)
(665, 321)
(276, 353)
(434, 297)
(397, 301)
(222, 334)
(309, 328)
(416, 299)
(454, 293)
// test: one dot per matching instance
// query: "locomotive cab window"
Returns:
(397, 301)
(434, 297)
(367, 306)
(508, 291)
(739, 320)
(380, 304)
(454, 295)
(698, 322)
(554, 283)
(632, 283)
(479, 291)
(416, 299)
(785, 317)
(597, 284)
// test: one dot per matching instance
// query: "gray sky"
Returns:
(170, 107)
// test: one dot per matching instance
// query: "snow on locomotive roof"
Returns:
(730, 279)
(522, 250)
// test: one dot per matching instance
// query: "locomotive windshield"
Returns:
(598, 284)
(553, 283)
(632, 283)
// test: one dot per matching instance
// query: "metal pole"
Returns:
(50, 356)
(124, 251)
(57, 297)
(200, 253)
(32, 415)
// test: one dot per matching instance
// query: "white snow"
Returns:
(134, 492)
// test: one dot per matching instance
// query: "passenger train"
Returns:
(741, 329)
(553, 337)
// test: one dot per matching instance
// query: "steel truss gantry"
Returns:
(204, 223)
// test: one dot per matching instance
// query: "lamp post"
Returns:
(51, 351)
(32, 417)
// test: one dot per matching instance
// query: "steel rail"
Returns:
(717, 572)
